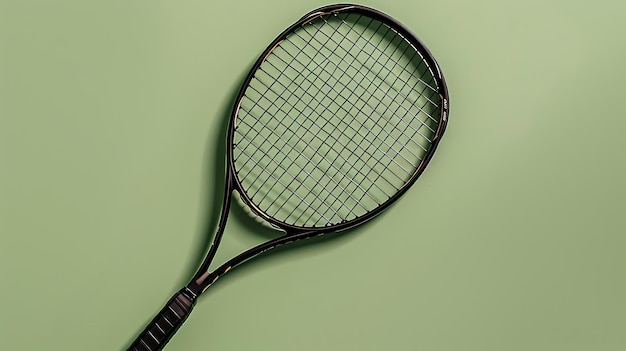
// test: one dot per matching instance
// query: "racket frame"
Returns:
(413, 40)
(203, 279)
(178, 308)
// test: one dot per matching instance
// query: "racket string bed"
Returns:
(277, 100)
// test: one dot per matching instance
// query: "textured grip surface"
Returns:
(165, 324)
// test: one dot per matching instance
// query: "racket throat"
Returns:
(204, 281)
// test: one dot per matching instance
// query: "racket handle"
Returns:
(166, 323)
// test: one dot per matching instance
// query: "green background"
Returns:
(111, 114)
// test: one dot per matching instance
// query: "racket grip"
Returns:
(166, 323)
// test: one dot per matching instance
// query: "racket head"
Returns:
(322, 110)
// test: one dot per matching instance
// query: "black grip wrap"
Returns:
(166, 323)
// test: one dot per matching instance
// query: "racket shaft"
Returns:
(165, 324)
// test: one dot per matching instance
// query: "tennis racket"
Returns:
(338, 117)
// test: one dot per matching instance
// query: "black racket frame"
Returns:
(166, 323)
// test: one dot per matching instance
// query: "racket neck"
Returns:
(199, 279)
